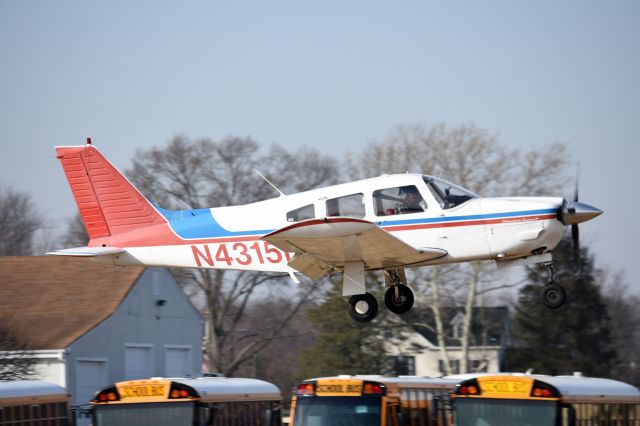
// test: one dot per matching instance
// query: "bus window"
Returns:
(470, 412)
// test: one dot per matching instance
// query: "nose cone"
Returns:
(573, 212)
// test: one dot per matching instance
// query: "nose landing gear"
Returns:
(553, 295)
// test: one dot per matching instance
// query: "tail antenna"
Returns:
(267, 180)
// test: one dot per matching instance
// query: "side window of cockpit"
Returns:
(302, 213)
(398, 200)
(349, 205)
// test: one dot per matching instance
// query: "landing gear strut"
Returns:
(553, 295)
(398, 298)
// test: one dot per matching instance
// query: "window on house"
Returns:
(349, 205)
(302, 213)
(456, 325)
(454, 365)
(478, 365)
(405, 365)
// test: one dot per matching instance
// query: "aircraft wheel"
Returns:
(363, 307)
(400, 303)
(553, 295)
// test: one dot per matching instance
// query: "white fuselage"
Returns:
(229, 237)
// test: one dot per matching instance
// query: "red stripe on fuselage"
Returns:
(522, 219)
(163, 235)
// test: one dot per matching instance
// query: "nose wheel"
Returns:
(363, 307)
(553, 295)
(398, 299)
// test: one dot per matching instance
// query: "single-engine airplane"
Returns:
(386, 223)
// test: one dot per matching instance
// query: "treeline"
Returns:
(265, 326)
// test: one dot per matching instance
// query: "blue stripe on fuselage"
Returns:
(200, 224)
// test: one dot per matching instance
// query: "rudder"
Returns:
(108, 203)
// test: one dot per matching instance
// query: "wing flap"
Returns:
(332, 242)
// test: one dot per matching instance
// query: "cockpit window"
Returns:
(446, 193)
(398, 200)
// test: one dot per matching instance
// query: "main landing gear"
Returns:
(553, 295)
(398, 298)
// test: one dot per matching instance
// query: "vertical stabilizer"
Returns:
(108, 203)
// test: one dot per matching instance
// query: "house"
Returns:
(90, 324)
(418, 351)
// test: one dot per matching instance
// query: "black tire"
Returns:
(403, 303)
(553, 296)
(363, 312)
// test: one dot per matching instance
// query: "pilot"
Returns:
(412, 201)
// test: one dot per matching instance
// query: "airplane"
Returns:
(387, 223)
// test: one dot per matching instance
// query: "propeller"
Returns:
(572, 213)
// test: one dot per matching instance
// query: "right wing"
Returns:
(323, 245)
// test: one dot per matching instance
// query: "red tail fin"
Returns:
(109, 204)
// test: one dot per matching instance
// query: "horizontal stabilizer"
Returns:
(87, 251)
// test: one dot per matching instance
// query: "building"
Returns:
(418, 351)
(90, 324)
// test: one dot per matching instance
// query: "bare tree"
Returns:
(19, 222)
(16, 360)
(475, 159)
(622, 307)
(205, 173)
(76, 234)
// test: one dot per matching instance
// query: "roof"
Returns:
(233, 389)
(402, 381)
(576, 388)
(50, 301)
(30, 391)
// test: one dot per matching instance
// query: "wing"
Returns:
(323, 245)
(87, 251)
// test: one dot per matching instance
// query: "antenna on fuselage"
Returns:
(267, 180)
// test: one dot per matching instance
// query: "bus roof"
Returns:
(574, 388)
(232, 389)
(402, 381)
(20, 389)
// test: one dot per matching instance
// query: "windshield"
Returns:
(326, 411)
(448, 194)
(510, 412)
(159, 414)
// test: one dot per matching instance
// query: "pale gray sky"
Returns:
(331, 74)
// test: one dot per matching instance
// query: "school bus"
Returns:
(215, 401)
(372, 401)
(536, 400)
(33, 402)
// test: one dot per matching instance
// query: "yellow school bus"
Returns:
(215, 401)
(33, 402)
(535, 400)
(372, 401)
